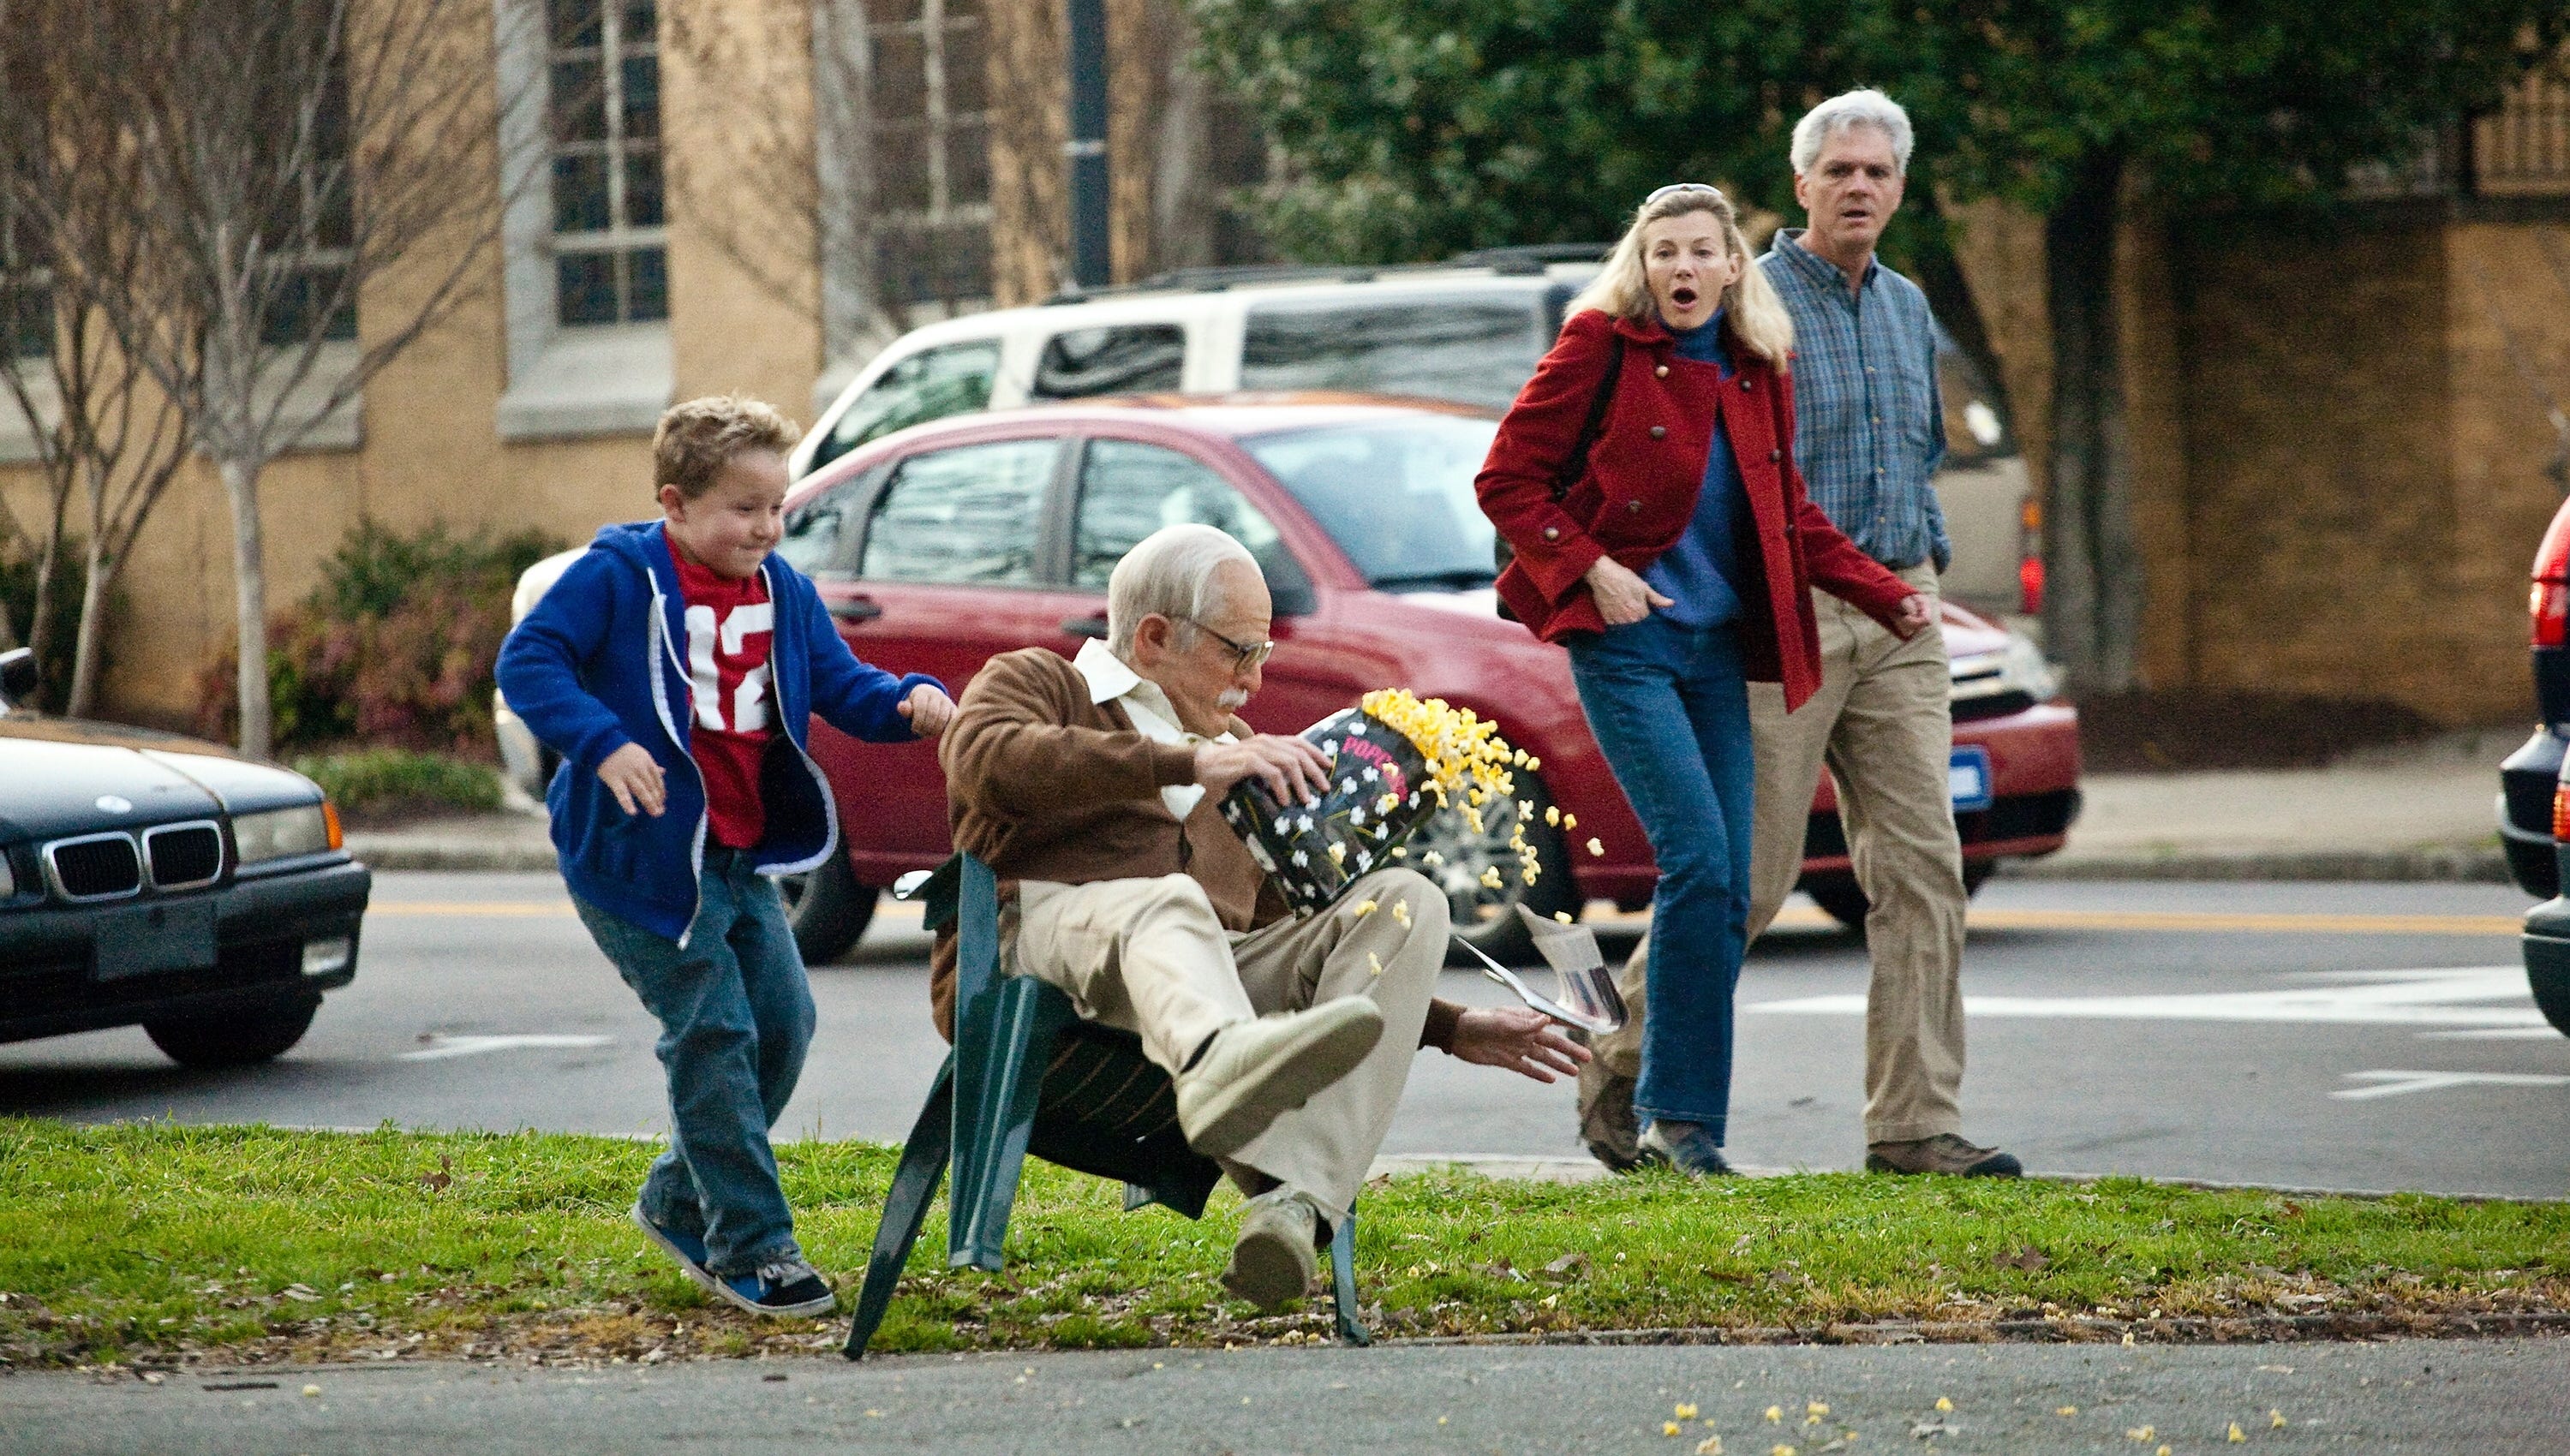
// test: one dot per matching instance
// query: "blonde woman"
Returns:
(1645, 480)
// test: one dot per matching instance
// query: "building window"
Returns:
(315, 231)
(929, 119)
(610, 232)
(25, 294)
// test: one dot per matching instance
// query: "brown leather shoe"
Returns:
(1944, 1153)
(1607, 1121)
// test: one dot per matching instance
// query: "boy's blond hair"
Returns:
(696, 440)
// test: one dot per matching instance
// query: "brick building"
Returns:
(749, 194)
(2340, 439)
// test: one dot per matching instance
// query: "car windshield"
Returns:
(1397, 495)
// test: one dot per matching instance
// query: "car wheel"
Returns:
(828, 909)
(1837, 894)
(234, 1039)
(1486, 917)
(2551, 987)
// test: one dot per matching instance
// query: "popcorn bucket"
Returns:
(1378, 794)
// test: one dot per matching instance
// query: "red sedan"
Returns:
(947, 543)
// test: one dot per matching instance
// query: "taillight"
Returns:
(2549, 603)
(2561, 812)
(2030, 563)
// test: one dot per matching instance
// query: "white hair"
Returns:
(1172, 573)
(1852, 109)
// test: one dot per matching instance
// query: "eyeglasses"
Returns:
(1243, 658)
(1659, 192)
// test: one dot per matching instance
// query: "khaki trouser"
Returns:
(1149, 956)
(1882, 724)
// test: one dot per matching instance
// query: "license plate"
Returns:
(141, 938)
(1967, 778)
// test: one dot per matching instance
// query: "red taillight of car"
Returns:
(2030, 564)
(2561, 812)
(2549, 603)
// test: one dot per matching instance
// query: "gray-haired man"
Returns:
(1870, 432)
(1090, 787)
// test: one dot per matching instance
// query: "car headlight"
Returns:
(278, 834)
(2018, 667)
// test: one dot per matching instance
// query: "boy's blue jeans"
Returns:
(1670, 709)
(735, 1020)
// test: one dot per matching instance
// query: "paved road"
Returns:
(2363, 1036)
(2406, 1396)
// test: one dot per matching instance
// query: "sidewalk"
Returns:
(2420, 813)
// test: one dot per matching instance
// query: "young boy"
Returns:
(673, 667)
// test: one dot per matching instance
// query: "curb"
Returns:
(397, 852)
(2466, 863)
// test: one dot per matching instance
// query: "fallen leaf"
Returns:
(1568, 1267)
(2029, 1259)
(1740, 1246)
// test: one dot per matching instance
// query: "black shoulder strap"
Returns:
(1576, 465)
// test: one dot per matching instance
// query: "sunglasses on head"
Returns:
(1659, 192)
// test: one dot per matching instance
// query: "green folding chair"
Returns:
(1028, 1075)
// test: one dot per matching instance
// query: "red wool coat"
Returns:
(1644, 471)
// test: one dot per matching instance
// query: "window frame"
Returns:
(572, 382)
(621, 240)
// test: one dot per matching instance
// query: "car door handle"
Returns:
(1085, 626)
(854, 608)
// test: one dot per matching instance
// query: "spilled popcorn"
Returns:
(1364, 907)
(1401, 910)
(1594, 847)
(1374, 962)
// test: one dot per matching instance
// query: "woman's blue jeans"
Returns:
(736, 1017)
(1670, 709)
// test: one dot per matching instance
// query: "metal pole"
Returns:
(1087, 149)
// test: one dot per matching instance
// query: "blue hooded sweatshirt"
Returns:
(599, 663)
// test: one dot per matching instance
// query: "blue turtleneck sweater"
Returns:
(1698, 572)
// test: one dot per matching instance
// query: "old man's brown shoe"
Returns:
(1254, 1072)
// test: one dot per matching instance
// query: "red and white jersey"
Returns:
(730, 696)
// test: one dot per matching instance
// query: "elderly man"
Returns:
(1869, 431)
(1092, 787)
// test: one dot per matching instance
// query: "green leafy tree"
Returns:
(1416, 128)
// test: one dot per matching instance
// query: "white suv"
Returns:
(1470, 330)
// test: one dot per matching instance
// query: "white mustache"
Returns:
(1230, 698)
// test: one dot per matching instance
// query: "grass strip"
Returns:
(156, 1243)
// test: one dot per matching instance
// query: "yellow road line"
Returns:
(538, 909)
(2235, 923)
(2232, 922)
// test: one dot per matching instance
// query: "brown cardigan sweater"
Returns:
(1043, 784)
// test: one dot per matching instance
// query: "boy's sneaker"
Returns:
(787, 1288)
(688, 1249)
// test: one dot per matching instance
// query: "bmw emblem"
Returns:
(115, 804)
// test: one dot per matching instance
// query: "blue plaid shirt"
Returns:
(1869, 428)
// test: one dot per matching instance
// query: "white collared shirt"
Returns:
(1111, 680)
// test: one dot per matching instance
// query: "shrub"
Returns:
(393, 647)
(18, 607)
(386, 783)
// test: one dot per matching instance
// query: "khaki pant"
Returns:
(1149, 956)
(1882, 724)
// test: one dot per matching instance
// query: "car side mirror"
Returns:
(19, 676)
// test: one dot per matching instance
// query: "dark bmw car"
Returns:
(153, 879)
